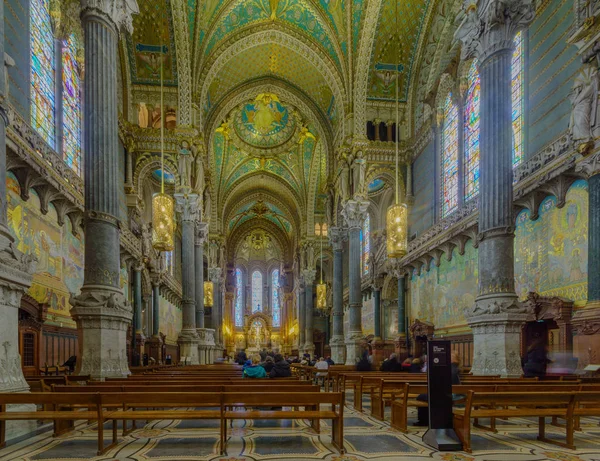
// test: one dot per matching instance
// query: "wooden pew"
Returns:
(515, 404)
(310, 401)
(365, 383)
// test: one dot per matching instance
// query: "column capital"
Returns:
(355, 212)
(309, 276)
(337, 237)
(201, 233)
(377, 283)
(188, 206)
(588, 165)
(214, 274)
(488, 26)
(118, 12)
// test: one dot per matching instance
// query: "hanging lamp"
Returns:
(163, 205)
(322, 287)
(208, 294)
(397, 214)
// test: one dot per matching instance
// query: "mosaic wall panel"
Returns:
(171, 320)
(423, 211)
(58, 251)
(551, 252)
(367, 315)
(16, 42)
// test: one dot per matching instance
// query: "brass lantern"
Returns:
(208, 294)
(163, 222)
(321, 296)
(397, 230)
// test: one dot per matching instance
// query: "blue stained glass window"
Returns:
(71, 97)
(366, 244)
(472, 133)
(449, 157)
(518, 103)
(239, 298)
(276, 301)
(169, 261)
(42, 72)
(257, 292)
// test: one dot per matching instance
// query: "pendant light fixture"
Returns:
(322, 287)
(208, 294)
(163, 205)
(397, 214)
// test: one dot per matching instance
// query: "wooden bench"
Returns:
(364, 384)
(310, 401)
(516, 404)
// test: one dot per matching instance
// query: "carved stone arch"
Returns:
(242, 231)
(288, 93)
(363, 66)
(242, 42)
(258, 315)
(146, 164)
(463, 76)
(390, 287)
(246, 184)
(447, 85)
(184, 63)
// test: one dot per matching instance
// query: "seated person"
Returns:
(416, 366)
(390, 364)
(268, 364)
(281, 368)
(255, 370)
(405, 367)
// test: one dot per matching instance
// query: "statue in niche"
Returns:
(212, 254)
(310, 256)
(344, 179)
(329, 207)
(468, 30)
(584, 100)
(198, 171)
(207, 205)
(143, 115)
(359, 170)
(156, 117)
(147, 240)
(185, 165)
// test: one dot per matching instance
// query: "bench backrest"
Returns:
(282, 398)
(545, 399)
(46, 398)
(162, 399)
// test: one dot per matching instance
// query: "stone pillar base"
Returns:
(188, 346)
(354, 348)
(103, 317)
(496, 344)
(206, 344)
(15, 429)
(338, 349)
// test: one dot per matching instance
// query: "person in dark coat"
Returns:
(281, 368)
(241, 357)
(329, 360)
(390, 364)
(268, 364)
(416, 366)
(363, 364)
(536, 360)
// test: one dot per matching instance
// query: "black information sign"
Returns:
(440, 434)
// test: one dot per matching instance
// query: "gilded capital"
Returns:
(118, 12)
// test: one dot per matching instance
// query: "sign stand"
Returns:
(440, 434)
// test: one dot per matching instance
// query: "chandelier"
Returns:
(208, 294)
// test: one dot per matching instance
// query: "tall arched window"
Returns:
(472, 133)
(71, 94)
(518, 100)
(366, 244)
(43, 85)
(449, 157)
(257, 292)
(239, 298)
(275, 302)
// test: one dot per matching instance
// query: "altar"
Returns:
(257, 332)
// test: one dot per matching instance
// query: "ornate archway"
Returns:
(257, 331)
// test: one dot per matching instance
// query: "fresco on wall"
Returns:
(390, 320)
(551, 252)
(441, 295)
(59, 253)
(170, 320)
(124, 282)
(368, 316)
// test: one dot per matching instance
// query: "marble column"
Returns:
(16, 271)
(214, 274)
(401, 338)
(377, 310)
(155, 342)
(309, 328)
(354, 212)
(138, 334)
(101, 311)
(337, 236)
(496, 319)
(205, 339)
(188, 206)
(301, 316)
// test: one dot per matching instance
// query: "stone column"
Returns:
(586, 322)
(155, 342)
(204, 345)
(309, 329)
(101, 311)
(496, 319)
(188, 207)
(138, 333)
(354, 212)
(401, 339)
(301, 317)
(214, 274)
(337, 236)
(378, 343)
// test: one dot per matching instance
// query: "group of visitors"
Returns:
(409, 365)
(264, 364)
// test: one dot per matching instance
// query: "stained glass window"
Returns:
(169, 261)
(449, 157)
(239, 298)
(518, 75)
(276, 305)
(71, 99)
(257, 291)
(366, 244)
(472, 133)
(42, 72)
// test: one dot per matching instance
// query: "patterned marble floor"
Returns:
(365, 439)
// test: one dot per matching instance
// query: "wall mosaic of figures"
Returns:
(59, 253)
(550, 259)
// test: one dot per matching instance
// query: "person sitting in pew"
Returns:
(405, 367)
(391, 364)
(281, 368)
(255, 370)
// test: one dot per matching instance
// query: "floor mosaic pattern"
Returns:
(365, 439)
